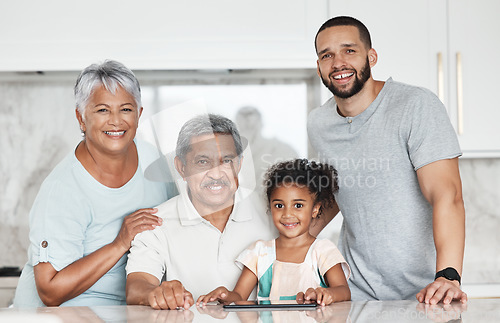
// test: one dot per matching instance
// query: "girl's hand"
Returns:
(322, 296)
(219, 294)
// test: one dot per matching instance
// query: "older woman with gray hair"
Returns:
(94, 202)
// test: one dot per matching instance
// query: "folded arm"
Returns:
(56, 287)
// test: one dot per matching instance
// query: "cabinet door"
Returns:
(407, 35)
(156, 34)
(473, 34)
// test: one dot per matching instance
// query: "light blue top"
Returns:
(74, 215)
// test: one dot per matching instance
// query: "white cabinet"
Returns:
(474, 35)
(418, 42)
(159, 34)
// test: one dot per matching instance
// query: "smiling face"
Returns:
(211, 172)
(344, 62)
(110, 120)
(293, 208)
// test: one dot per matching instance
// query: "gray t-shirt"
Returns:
(386, 236)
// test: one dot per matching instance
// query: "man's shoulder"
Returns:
(252, 213)
(168, 209)
(326, 108)
(401, 90)
(251, 199)
(322, 119)
(255, 204)
(168, 212)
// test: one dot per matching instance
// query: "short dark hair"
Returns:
(206, 124)
(364, 34)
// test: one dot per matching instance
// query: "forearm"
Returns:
(327, 215)
(441, 185)
(56, 287)
(340, 293)
(449, 239)
(138, 288)
(234, 297)
(449, 233)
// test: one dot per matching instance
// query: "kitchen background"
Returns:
(231, 54)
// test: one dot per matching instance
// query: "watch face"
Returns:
(450, 274)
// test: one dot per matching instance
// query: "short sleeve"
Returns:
(328, 255)
(258, 257)
(249, 258)
(58, 221)
(430, 135)
(147, 254)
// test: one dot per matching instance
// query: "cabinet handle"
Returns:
(460, 96)
(440, 77)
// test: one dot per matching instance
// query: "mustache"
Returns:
(215, 182)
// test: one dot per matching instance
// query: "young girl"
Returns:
(295, 265)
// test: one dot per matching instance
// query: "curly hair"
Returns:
(319, 178)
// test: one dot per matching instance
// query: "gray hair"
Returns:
(206, 124)
(110, 74)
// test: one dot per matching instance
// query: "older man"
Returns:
(204, 228)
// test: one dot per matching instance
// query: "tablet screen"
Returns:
(288, 304)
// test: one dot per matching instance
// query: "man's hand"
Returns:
(170, 295)
(443, 290)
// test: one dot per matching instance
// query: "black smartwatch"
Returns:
(448, 273)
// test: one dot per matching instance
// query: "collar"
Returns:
(355, 123)
(188, 215)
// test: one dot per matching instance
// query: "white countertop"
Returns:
(476, 310)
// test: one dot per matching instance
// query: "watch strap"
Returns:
(449, 273)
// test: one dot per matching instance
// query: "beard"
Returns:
(359, 82)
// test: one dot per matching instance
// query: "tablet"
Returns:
(272, 305)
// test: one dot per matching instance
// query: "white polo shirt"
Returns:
(190, 249)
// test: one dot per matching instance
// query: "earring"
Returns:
(82, 131)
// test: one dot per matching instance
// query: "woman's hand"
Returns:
(137, 222)
(56, 287)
